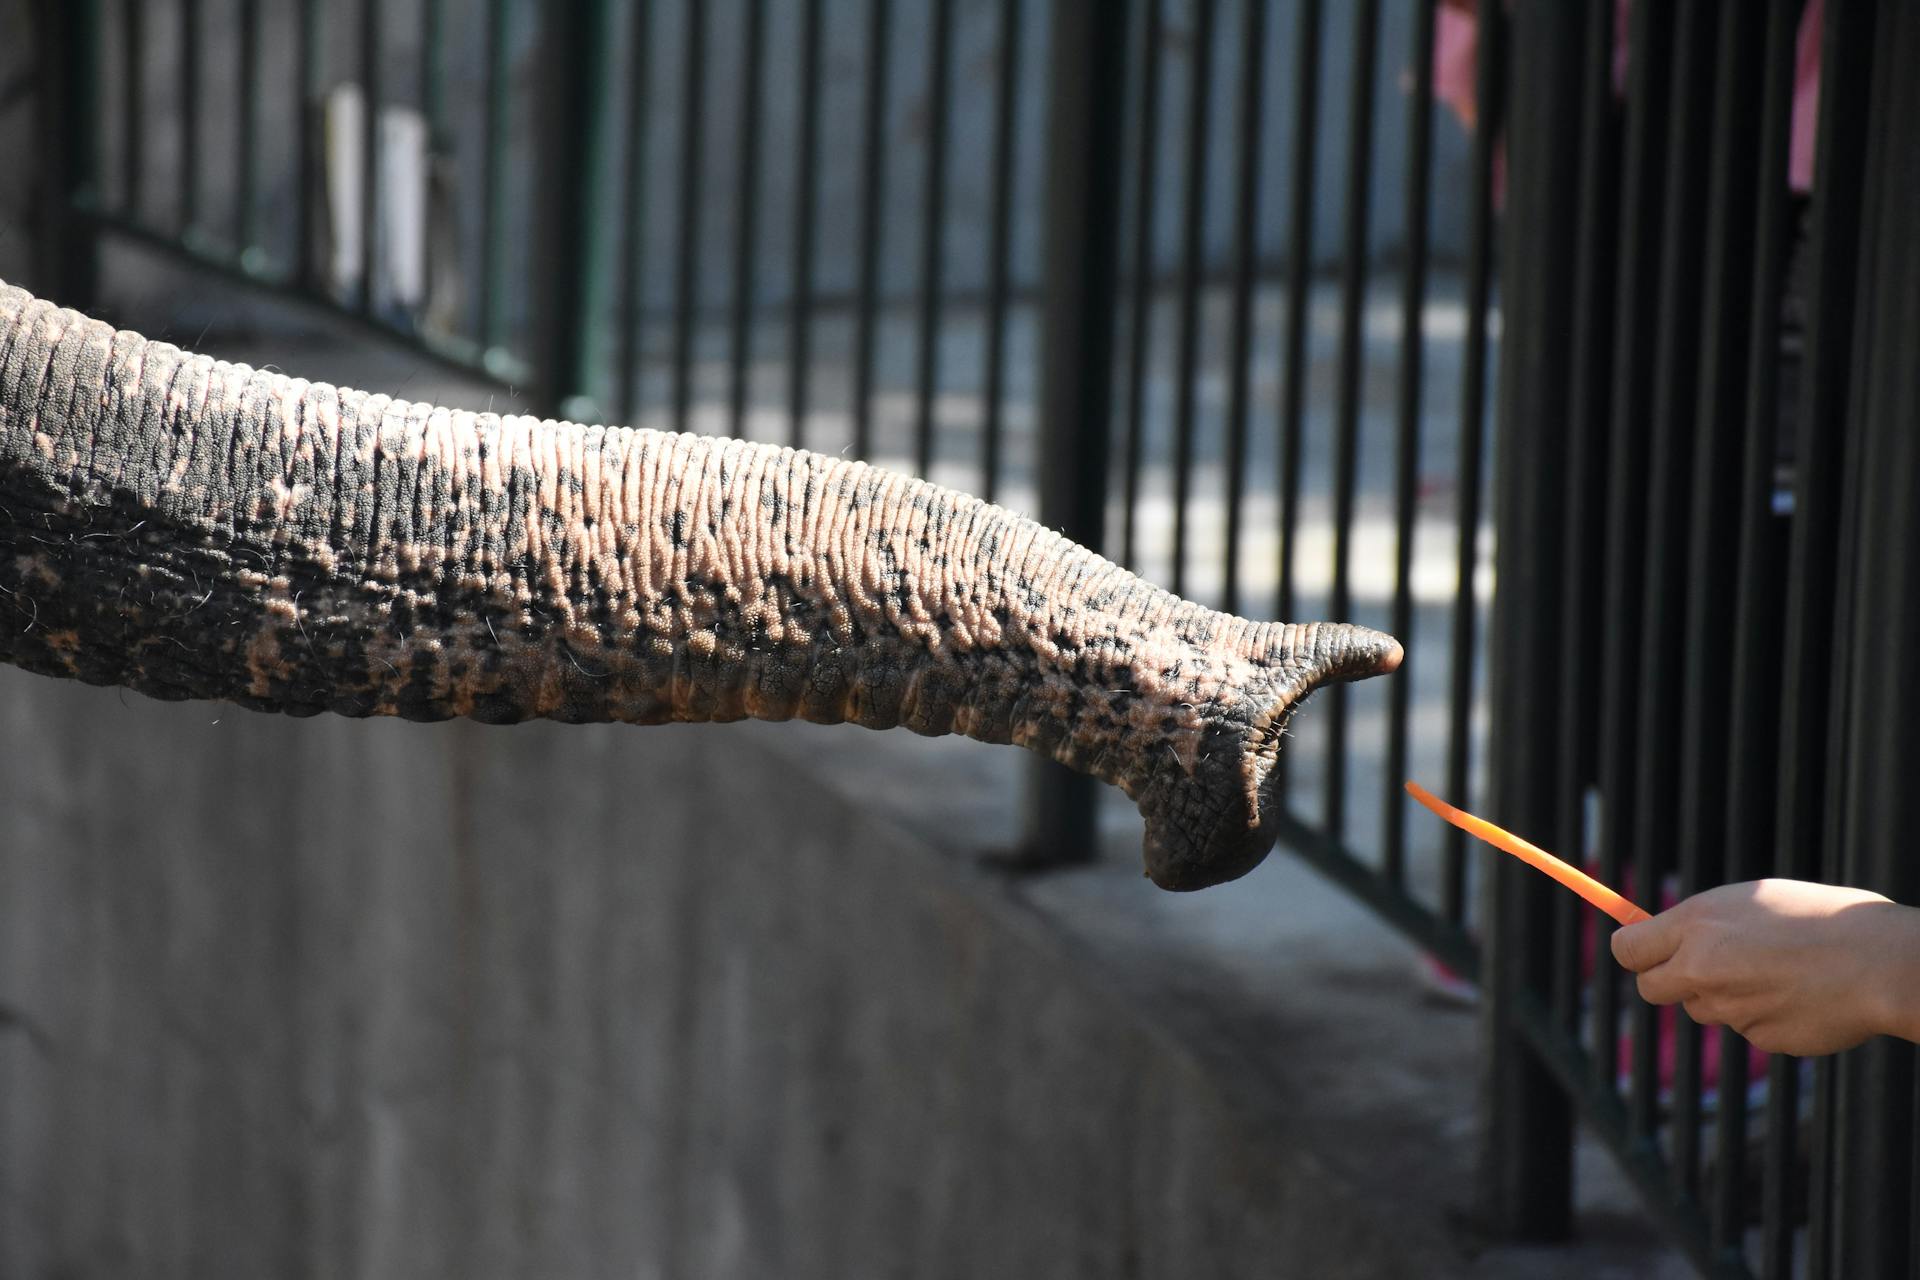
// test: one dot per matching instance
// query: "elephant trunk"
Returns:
(196, 529)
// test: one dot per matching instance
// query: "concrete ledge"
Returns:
(373, 999)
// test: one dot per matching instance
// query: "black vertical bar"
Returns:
(1193, 227)
(1293, 356)
(873, 188)
(633, 206)
(1871, 1170)
(1819, 1164)
(133, 120)
(805, 197)
(999, 246)
(308, 185)
(1490, 88)
(1663, 576)
(1753, 730)
(1816, 551)
(692, 163)
(1140, 307)
(245, 216)
(1588, 401)
(746, 209)
(68, 111)
(1814, 548)
(189, 116)
(1086, 93)
(433, 105)
(1346, 441)
(433, 69)
(1779, 1205)
(1913, 1161)
(1406, 475)
(1246, 261)
(1839, 856)
(1717, 421)
(1526, 1156)
(932, 232)
(493, 211)
(1714, 543)
(371, 102)
(1872, 732)
(573, 255)
(1649, 51)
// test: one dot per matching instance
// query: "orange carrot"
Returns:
(1570, 876)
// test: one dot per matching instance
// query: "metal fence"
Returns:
(1209, 284)
(1704, 434)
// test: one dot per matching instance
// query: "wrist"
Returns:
(1898, 987)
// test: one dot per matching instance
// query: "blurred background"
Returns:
(1230, 290)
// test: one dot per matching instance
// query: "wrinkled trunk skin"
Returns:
(195, 529)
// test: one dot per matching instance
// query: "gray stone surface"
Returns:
(326, 998)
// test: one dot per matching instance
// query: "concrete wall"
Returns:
(337, 999)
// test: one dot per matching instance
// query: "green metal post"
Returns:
(1085, 117)
(493, 209)
(576, 264)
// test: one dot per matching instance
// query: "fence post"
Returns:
(1526, 1158)
(1085, 120)
(574, 264)
(1876, 1128)
(69, 133)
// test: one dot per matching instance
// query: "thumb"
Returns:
(1639, 947)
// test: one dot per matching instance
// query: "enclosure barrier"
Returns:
(1703, 387)
(1097, 225)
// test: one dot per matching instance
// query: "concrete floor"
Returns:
(1281, 983)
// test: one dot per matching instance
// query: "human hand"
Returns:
(1794, 967)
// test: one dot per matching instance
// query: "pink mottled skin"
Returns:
(191, 528)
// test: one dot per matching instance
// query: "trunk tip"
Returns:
(1360, 652)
